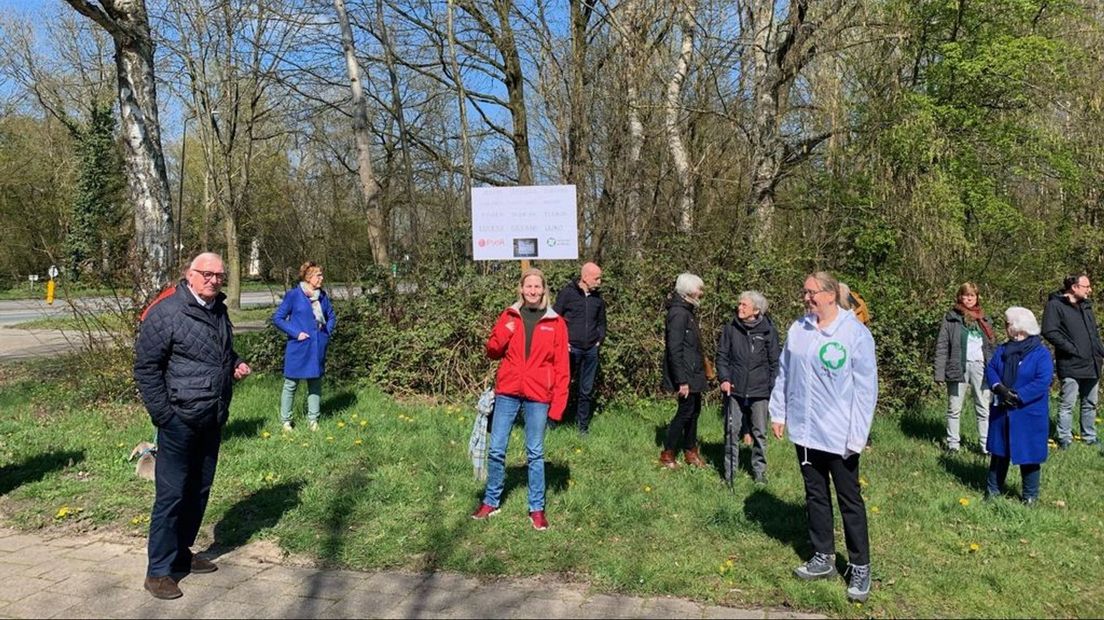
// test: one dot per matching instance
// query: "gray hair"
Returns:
(756, 298)
(687, 283)
(1021, 321)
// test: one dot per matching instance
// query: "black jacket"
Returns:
(682, 357)
(585, 315)
(950, 356)
(747, 357)
(184, 360)
(1072, 330)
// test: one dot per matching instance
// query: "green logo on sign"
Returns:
(833, 355)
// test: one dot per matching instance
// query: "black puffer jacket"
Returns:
(184, 359)
(682, 358)
(1071, 329)
(747, 357)
(585, 315)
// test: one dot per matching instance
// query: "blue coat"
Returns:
(1022, 433)
(304, 359)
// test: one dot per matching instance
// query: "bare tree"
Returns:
(377, 226)
(673, 113)
(147, 181)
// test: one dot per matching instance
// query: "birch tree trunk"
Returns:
(377, 226)
(152, 259)
(579, 129)
(462, 108)
(672, 117)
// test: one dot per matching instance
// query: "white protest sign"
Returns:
(527, 222)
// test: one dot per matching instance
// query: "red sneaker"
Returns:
(483, 512)
(539, 522)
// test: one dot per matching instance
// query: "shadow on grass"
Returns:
(917, 425)
(35, 468)
(257, 511)
(713, 453)
(967, 469)
(779, 519)
(242, 427)
(339, 402)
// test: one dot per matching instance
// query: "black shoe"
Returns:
(1063, 445)
(820, 566)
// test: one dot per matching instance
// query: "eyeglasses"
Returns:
(218, 276)
(807, 293)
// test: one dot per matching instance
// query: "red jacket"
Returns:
(545, 375)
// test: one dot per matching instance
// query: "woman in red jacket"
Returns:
(531, 340)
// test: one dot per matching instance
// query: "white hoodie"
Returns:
(827, 385)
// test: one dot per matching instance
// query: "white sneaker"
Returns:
(313, 425)
(287, 426)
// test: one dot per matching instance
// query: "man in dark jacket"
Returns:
(581, 305)
(185, 367)
(747, 364)
(1069, 325)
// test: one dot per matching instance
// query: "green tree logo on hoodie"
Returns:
(833, 355)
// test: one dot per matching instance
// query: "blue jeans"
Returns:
(536, 416)
(584, 366)
(998, 472)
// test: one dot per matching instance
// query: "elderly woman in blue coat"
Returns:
(1019, 375)
(307, 317)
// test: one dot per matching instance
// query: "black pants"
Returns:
(816, 468)
(683, 429)
(185, 470)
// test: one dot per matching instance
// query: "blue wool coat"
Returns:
(304, 359)
(1021, 434)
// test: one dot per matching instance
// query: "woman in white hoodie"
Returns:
(825, 393)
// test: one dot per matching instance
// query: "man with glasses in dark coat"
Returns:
(185, 366)
(1070, 327)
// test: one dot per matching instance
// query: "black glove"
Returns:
(1013, 399)
(1002, 391)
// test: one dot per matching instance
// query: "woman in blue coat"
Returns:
(307, 317)
(1019, 374)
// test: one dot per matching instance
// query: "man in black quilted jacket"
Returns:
(185, 367)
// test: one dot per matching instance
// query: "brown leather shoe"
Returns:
(667, 459)
(163, 588)
(200, 565)
(692, 457)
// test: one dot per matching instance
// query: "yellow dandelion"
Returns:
(647, 489)
(875, 509)
(965, 501)
(63, 512)
(363, 423)
(358, 442)
(863, 482)
(305, 444)
(974, 547)
(729, 563)
(354, 416)
(329, 438)
(578, 450)
(265, 434)
(121, 445)
(340, 424)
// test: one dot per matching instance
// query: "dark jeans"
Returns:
(817, 467)
(998, 473)
(584, 367)
(185, 469)
(683, 430)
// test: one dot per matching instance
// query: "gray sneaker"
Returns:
(820, 566)
(858, 589)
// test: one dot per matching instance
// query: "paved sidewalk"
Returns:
(90, 576)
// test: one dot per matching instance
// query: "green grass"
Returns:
(401, 498)
(115, 321)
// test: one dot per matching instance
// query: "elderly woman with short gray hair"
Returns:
(684, 370)
(1019, 375)
(747, 364)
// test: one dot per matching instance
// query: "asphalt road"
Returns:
(23, 310)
